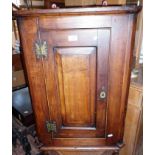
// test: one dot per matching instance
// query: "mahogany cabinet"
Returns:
(78, 64)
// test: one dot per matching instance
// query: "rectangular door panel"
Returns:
(76, 72)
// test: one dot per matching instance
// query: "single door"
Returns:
(76, 81)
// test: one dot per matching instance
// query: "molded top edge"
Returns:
(124, 9)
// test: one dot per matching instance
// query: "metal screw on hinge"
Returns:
(51, 126)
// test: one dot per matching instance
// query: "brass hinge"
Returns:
(51, 126)
(41, 49)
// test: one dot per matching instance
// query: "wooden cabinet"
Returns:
(78, 65)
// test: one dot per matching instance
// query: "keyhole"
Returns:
(102, 94)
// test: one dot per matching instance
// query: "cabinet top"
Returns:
(77, 11)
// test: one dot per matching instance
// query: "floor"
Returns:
(24, 139)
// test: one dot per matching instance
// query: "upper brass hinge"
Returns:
(41, 49)
(51, 126)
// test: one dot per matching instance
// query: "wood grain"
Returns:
(66, 65)
(134, 122)
(76, 69)
(89, 51)
(126, 9)
(35, 76)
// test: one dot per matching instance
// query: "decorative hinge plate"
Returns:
(51, 126)
(41, 49)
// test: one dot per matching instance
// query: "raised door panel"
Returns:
(76, 79)
(76, 70)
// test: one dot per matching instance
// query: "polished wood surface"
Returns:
(133, 136)
(138, 39)
(76, 69)
(88, 53)
(109, 148)
(75, 73)
(105, 152)
(126, 9)
(81, 150)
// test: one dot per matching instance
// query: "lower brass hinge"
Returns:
(51, 126)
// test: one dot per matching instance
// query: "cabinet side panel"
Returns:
(28, 34)
(119, 74)
(127, 69)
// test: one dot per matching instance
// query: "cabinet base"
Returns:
(55, 148)
(114, 150)
(81, 153)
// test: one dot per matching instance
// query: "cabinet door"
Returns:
(76, 80)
